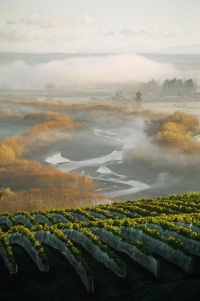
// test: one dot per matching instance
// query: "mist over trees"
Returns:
(128, 93)
(170, 154)
(170, 87)
(176, 87)
(152, 87)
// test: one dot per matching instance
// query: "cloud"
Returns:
(42, 28)
(10, 22)
(157, 33)
(172, 33)
(152, 32)
(44, 20)
(105, 32)
(23, 33)
(88, 20)
(127, 32)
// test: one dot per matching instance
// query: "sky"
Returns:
(100, 26)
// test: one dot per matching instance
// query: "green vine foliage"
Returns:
(5, 244)
(27, 215)
(46, 214)
(84, 213)
(30, 236)
(163, 211)
(10, 216)
(62, 237)
(64, 213)
(95, 240)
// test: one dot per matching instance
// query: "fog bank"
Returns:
(86, 70)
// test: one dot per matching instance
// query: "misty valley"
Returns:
(95, 191)
(99, 152)
(125, 163)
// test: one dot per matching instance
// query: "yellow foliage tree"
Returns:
(7, 154)
(10, 142)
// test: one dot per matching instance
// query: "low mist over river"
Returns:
(125, 163)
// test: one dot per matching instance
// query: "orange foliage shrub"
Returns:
(17, 144)
(188, 124)
(23, 174)
(49, 129)
(59, 123)
(7, 154)
(174, 132)
(6, 115)
(48, 199)
(40, 117)
(84, 112)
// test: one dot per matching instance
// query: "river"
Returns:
(113, 184)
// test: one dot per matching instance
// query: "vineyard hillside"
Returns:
(136, 250)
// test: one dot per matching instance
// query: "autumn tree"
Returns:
(7, 154)
(175, 131)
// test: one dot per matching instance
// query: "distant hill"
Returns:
(42, 58)
(173, 58)
(190, 49)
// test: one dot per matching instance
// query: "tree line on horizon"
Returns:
(170, 87)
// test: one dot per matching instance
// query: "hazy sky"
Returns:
(93, 26)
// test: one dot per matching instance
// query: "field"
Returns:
(143, 250)
(188, 107)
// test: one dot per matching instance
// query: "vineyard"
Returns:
(142, 250)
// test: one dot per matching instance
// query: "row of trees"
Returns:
(176, 86)
(170, 87)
